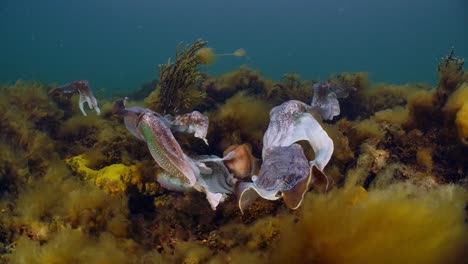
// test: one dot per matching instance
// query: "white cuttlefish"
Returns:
(285, 172)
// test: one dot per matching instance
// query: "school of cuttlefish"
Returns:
(285, 171)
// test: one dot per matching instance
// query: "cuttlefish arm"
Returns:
(214, 175)
(194, 122)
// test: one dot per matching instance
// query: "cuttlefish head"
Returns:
(285, 173)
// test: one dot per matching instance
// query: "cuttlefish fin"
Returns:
(248, 192)
(247, 195)
(293, 198)
(319, 181)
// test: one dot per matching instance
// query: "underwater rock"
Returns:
(112, 179)
(82, 88)
(285, 168)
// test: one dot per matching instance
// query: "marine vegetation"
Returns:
(94, 189)
(178, 81)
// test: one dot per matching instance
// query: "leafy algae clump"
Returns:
(177, 89)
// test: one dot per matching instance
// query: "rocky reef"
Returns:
(83, 189)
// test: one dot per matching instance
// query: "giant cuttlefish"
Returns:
(285, 171)
(325, 99)
(180, 172)
(82, 88)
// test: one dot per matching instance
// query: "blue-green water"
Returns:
(117, 44)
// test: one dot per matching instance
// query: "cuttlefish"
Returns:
(285, 172)
(179, 172)
(325, 99)
(82, 88)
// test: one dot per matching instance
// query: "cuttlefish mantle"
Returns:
(179, 172)
(285, 171)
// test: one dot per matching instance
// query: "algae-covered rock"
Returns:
(79, 164)
(114, 178)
